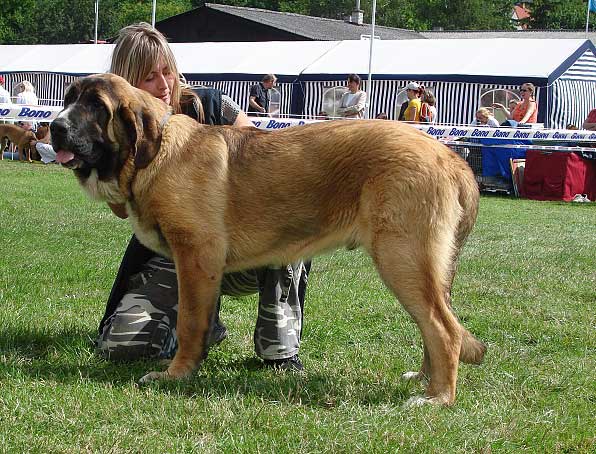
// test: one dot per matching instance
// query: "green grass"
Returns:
(526, 287)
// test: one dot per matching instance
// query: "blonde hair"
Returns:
(484, 112)
(139, 48)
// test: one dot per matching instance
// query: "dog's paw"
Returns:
(415, 376)
(417, 401)
(153, 376)
(411, 376)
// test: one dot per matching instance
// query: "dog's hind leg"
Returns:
(415, 271)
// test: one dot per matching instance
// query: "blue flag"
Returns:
(592, 5)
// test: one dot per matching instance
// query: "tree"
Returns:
(558, 14)
(14, 18)
(465, 14)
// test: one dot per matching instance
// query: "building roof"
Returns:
(310, 27)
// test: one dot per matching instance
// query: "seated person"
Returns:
(42, 144)
(484, 117)
(353, 102)
(525, 111)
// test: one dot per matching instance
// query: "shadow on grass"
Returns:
(67, 357)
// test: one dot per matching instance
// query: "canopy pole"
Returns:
(96, 18)
(153, 13)
(370, 58)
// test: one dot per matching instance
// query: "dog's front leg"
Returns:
(199, 279)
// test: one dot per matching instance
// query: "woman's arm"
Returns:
(498, 105)
(529, 112)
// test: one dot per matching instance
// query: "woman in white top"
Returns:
(26, 94)
(353, 101)
(485, 118)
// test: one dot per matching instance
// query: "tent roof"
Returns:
(438, 59)
(56, 58)
(278, 57)
(530, 58)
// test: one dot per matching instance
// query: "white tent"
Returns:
(460, 72)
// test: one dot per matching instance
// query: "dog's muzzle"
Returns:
(68, 147)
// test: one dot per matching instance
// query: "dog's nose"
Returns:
(59, 127)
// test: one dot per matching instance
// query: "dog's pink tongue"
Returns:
(64, 156)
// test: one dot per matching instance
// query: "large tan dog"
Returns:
(18, 136)
(219, 199)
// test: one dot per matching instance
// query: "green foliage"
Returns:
(559, 14)
(71, 21)
(465, 14)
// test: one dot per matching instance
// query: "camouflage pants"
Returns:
(144, 322)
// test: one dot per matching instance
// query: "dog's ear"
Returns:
(72, 92)
(143, 135)
(148, 146)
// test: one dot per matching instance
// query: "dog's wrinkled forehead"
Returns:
(104, 89)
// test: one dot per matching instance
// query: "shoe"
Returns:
(580, 198)
(217, 335)
(292, 363)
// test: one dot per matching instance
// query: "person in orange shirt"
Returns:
(525, 111)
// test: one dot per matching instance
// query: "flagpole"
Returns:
(153, 14)
(588, 17)
(370, 57)
(96, 18)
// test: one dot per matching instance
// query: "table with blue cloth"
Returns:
(495, 160)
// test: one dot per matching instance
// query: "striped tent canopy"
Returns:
(465, 74)
(462, 73)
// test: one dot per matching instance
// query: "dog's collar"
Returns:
(164, 119)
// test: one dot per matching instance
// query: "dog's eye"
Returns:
(97, 104)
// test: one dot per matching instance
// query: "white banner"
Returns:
(18, 112)
(455, 132)
(21, 112)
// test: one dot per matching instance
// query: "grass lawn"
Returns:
(526, 287)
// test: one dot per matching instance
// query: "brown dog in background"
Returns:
(19, 137)
(210, 197)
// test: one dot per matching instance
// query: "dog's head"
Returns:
(104, 121)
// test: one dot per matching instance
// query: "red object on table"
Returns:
(558, 176)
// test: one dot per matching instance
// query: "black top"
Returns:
(261, 95)
(211, 101)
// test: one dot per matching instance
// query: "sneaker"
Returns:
(217, 335)
(580, 198)
(292, 363)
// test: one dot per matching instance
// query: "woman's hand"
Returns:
(497, 105)
(119, 209)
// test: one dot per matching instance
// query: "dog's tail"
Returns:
(472, 350)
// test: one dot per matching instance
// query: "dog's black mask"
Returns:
(79, 134)
(105, 120)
